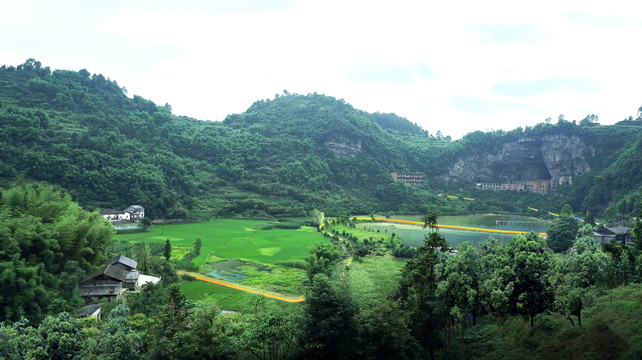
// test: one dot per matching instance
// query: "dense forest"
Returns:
(282, 157)
(472, 303)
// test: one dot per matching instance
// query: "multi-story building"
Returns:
(516, 186)
(490, 186)
(538, 186)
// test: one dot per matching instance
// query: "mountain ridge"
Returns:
(282, 157)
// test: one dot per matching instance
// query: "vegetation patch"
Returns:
(179, 251)
(269, 251)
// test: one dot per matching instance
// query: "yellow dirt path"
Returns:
(242, 288)
(460, 227)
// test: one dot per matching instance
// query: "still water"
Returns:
(414, 234)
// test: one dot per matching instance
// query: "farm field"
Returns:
(364, 232)
(203, 293)
(237, 250)
(234, 239)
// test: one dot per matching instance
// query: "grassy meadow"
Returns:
(233, 239)
(262, 252)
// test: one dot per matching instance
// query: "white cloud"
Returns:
(548, 85)
(450, 66)
(507, 33)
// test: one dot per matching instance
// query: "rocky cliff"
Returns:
(344, 146)
(554, 157)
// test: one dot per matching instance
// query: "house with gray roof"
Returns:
(105, 283)
(129, 265)
(112, 279)
(619, 234)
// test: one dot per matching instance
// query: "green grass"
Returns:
(204, 294)
(363, 234)
(179, 251)
(234, 239)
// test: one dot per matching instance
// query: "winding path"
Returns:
(242, 288)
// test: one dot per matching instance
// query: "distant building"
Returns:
(408, 178)
(538, 186)
(516, 186)
(490, 186)
(137, 212)
(619, 234)
(132, 214)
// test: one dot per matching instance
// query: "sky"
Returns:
(452, 66)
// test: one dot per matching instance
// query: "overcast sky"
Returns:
(454, 66)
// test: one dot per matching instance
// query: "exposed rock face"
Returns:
(557, 158)
(344, 147)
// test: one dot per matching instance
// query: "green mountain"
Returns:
(285, 156)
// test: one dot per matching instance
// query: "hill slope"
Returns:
(282, 157)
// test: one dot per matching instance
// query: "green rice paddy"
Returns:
(234, 239)
(229, 239)
(209, 294)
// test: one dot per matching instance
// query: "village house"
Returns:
(112, 280)
(132, 214)
(104, 284)
(619, 234)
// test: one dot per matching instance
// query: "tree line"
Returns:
(378, 313)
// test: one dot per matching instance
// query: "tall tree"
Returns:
(143, 256)
(418, 286)
(530, 263)
(212, 335)
(460, 285)
(575, 277)
(169, 327)
(323, 259)
(272, 334)
(329, 324)
(562, 235)
(197, 246)
(167, 250)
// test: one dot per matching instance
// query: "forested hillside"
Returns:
(47, 245)
(282, 157)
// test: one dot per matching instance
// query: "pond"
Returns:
(413, 235)
(126, 227)
(231, 270)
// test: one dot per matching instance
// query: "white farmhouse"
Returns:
(132, 214)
